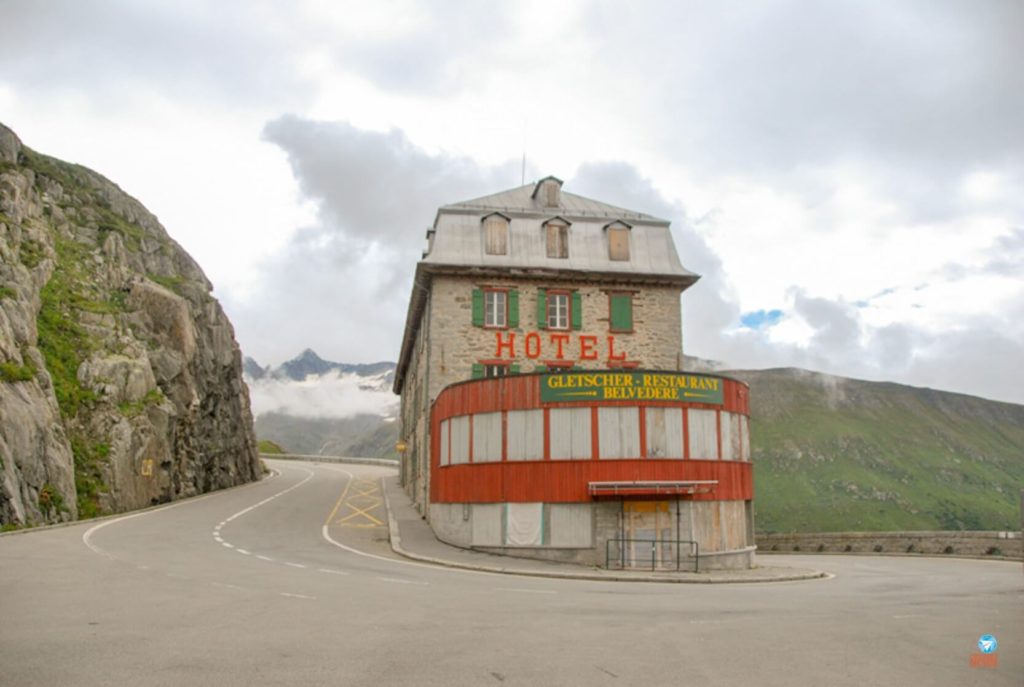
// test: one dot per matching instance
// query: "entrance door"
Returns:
(648, 528)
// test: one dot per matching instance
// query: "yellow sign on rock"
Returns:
(631, 386)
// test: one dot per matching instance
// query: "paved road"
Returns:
(291, 582)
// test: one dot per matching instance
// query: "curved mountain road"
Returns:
(291, 582)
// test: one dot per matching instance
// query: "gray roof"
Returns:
(459, 238)
(457, 246)
(521, 200)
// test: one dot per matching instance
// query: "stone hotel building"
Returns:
(545, 409)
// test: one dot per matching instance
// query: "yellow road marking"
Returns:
(341, 498)
(359, 511)
(344, 499)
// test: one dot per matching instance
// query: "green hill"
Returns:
(836, 454)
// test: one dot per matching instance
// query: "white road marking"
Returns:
(395, 579)
(230, 546)
(265, 558)
(87, 535)
(332, 572)
(295, 565)
(297, 596)
(242, 551)
(525, 591)
(229, 586)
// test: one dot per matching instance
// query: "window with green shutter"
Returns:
(478, 371)
(577, 310)
(621, 312)
(513, 308)
(542, 309)
(478, 308)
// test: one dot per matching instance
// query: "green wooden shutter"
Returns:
(513, 308)
(478, 371)
(513, 368)
(478, 308)
(542, 309)
(622, 312)
(540, 368)
(577, 310)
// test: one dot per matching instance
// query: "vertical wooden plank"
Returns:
(643, 432)
(595, 441)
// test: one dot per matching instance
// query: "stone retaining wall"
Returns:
(982, 544)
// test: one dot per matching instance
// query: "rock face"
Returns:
(121, 378)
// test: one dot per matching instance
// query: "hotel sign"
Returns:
(630, 386)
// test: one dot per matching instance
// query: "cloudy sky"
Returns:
(847, 176)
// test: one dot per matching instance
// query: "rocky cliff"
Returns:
(121, 378)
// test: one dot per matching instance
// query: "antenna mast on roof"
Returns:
(522, 176)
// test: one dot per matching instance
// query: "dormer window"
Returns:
(548, 192)
(618, 241)
(495, 227)
(557, 232)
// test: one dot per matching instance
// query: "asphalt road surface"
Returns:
(291, 582)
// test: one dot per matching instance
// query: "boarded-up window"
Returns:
(619, 432)
(487, 438)
(558, 240)
(571, 524)
(620, 316)
(460, 440)
(664, 433)
(444, 442)
(703, 434)
(496, 235)
(524, 524)
(618, 243)
(570, 434)
(552, 193)
(525, 434)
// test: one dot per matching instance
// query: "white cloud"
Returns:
(333, 395)
(811, 158)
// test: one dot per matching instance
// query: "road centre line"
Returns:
(525, 591)
(297, 596)
(399, 581)
(87, 535)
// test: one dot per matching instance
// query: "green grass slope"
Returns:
(835, 454)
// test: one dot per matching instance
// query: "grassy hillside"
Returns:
(840, 454)
(366, 436)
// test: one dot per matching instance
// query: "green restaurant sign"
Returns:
(630, 386)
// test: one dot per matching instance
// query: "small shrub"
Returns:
(848, 548)
(878, 548)
(7, 292)
(911, 549)
(796, 548)
(31, 253)
(9, 527)
(775, 547)
(821, 547)
(994, 551)
(12, 372)
(948, 549)
(50, 500)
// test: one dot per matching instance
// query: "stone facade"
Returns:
(654, 343)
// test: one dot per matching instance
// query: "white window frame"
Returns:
(559, 316)
(495, 304)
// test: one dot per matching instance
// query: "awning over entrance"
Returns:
(651, 488)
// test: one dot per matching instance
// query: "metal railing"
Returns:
(665, 554)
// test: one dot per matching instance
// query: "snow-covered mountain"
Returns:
(316, 406)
